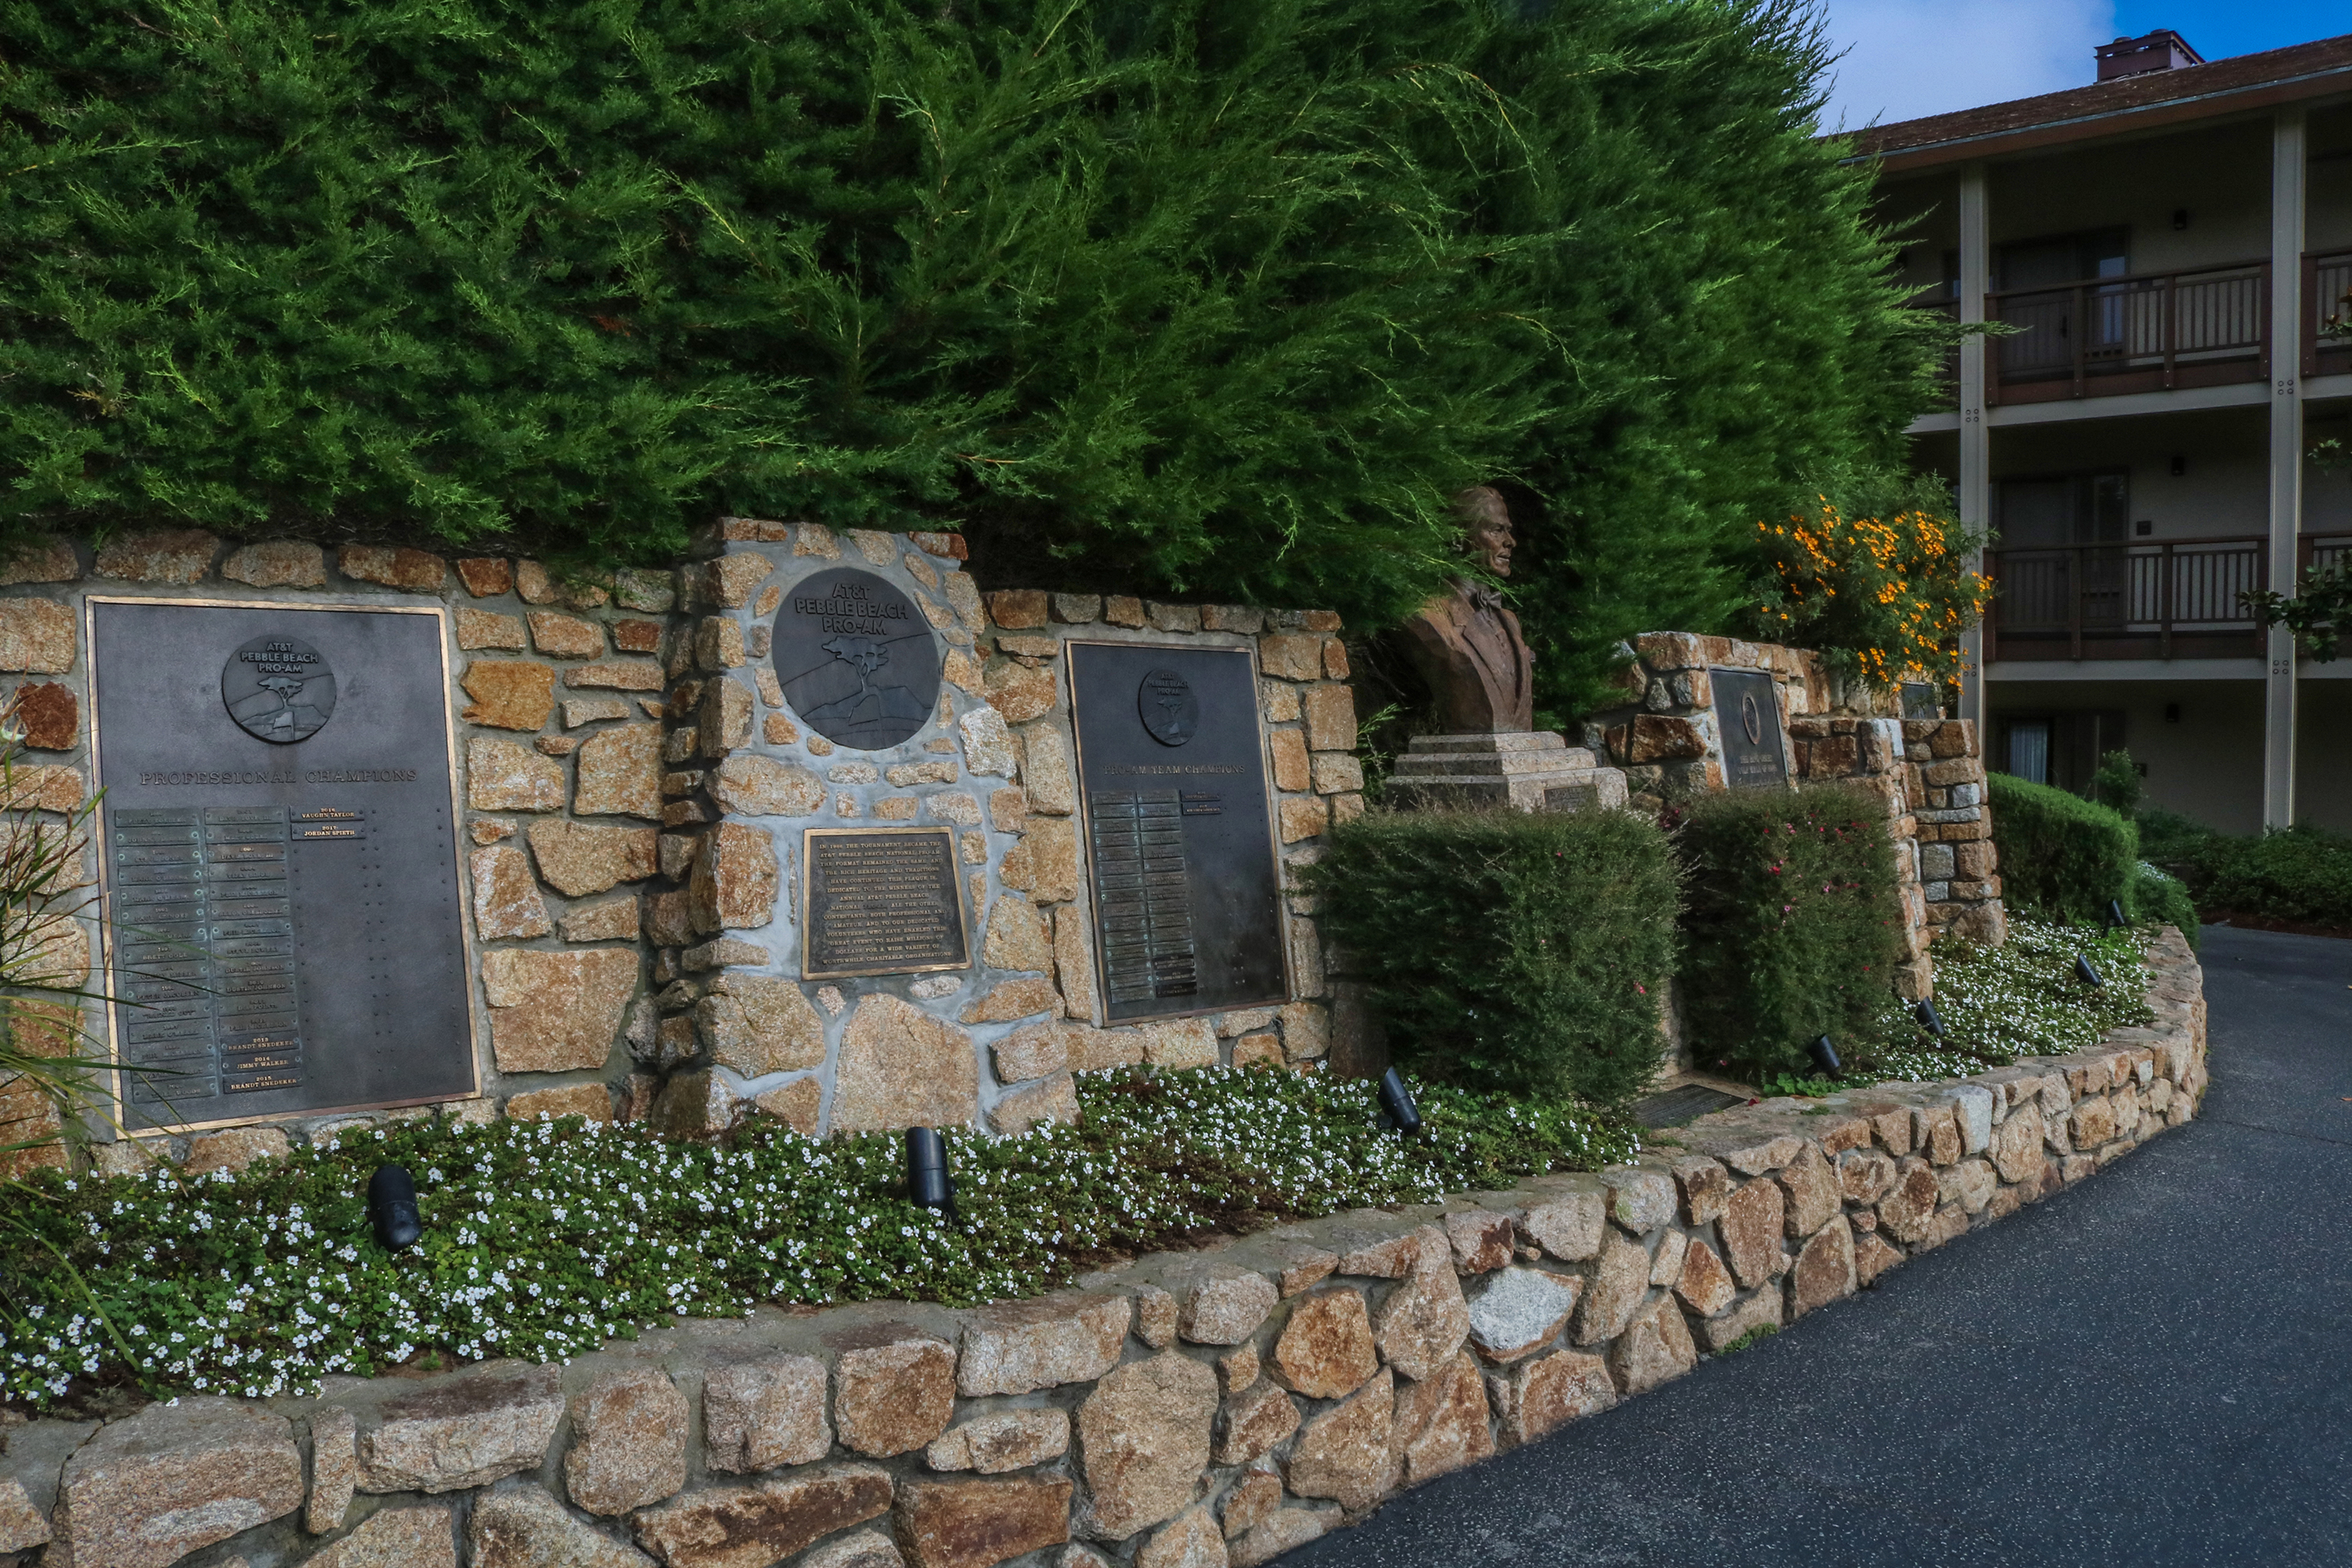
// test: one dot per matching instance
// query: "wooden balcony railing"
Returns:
(2175, 599)
(2317, 552)
(2141, 333)
(2327, 302)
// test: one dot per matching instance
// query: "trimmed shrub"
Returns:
(2061, 856)
(1792, 928)
(1509, 950)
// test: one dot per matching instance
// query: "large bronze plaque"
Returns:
(880, 901)
(1180, 828)
(1747, 716)
(278, 860)
(857, 659)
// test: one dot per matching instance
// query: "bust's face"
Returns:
(1486, 529)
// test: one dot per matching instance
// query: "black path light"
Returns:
(928, 1183)
(1825, 1057)
(1928, 1020)
(2086, 973)
(2116, 920)
(1397, 1100)
(391, 1207)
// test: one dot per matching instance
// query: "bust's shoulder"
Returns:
(1449, 611)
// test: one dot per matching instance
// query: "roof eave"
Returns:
(2112, 121)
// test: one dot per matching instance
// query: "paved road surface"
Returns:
(2153, 1367)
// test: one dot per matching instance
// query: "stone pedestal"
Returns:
(1534, 770)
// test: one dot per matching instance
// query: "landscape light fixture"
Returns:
(1397, 1100)
(392, 1208)
(927, 1171)
(2116, 920)
(1825, 1057)
(1925, 1013)
(2086, 973)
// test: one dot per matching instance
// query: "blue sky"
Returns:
(1910, 57)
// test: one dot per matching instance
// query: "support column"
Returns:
(1975, 443)
(2286, 322)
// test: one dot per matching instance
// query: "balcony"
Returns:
(2151, 333)
(2162, 599)
(2165, 599)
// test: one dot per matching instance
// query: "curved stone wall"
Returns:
(1184, 1409)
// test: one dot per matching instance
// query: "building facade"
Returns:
(2160, 418)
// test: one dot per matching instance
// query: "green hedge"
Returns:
(2061, 856)
(1793, 926)
(1520, 951)
(2303, 875)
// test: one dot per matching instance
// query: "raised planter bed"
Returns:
(1224, 1404)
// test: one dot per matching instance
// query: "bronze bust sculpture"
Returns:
(1467, 643)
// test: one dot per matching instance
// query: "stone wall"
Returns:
(995, 1044)
(633, 786)
(1183, 1411)
(1930, 773)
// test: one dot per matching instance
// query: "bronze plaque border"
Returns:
(113, 1076)
(963, 920)
(1273, 827)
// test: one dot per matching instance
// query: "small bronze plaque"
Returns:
(880, 901)
(1747, 716)
(857, 659)
(1180, 835)
(279, 857)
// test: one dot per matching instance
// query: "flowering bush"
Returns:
(545, 1240)
(1885, 598)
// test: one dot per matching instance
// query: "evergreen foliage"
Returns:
(1792, 930)
(1219, 298)
(2300, 878)
(1525, 953)
(2062, 856)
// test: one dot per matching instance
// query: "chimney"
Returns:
(2161, 50)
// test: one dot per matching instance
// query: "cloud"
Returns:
(1906, 59)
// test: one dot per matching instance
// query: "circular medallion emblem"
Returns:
(1169, 710)
(855, 660)
(1752, 719)
(279, 689)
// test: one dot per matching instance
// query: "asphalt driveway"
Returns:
(2153, 1367)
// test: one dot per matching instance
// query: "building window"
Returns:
(2060, 748)
(2053, 510)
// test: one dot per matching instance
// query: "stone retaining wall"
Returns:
(632, 787)
(1183, 1411)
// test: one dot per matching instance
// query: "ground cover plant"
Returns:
(1511, 951)
(1793, 929)
(545, 1240)
(1997, 1003)
(1217, 298)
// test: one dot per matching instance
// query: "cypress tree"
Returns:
(1220, 297)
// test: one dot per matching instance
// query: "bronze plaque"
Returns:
(857, 659)
(279, 864)
(880, 901)
(1178, 828)
(1747, 716)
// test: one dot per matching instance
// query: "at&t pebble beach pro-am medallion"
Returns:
(279, 689)
(855, 660)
